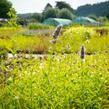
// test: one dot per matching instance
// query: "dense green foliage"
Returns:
(50, 13)
(47, 7)
(65, 13)
(99, 9)
(38, 17)
(62, 4)
(13, 18)
(5, 6)
(25, 19)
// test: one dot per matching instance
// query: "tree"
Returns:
(51, 13)
(102, 19)
(107, 15)
(65, 13)
(4, 8)
(37, 17)
(13, 18)
(48, 6)
(61, 5)
(99, 9)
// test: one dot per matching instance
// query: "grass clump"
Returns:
(38, 26)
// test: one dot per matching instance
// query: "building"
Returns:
(85, 21)
(57, 21)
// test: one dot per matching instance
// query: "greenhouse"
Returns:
(85, 21)
(57, 21)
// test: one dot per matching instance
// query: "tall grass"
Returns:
(38, 26)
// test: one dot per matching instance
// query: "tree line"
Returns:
(98, 9)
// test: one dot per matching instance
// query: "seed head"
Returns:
(57, 31)
(82, 52)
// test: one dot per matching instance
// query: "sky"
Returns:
(31, 6)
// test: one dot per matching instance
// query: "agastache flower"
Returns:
(57, 31)
(82, 52)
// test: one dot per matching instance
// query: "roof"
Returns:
(57, 21)
(84, 20)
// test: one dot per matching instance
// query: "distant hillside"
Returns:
(99, 9)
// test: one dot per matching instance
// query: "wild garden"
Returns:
(53, 67)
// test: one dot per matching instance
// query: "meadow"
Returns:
(59, 79)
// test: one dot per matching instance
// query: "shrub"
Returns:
(38, 26)
(13, 18)
(65, 13)
(50, 13)
(3, 53)
(87, 35)
(37, 17)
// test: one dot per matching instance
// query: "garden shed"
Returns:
(57, 21)
(85, 21)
